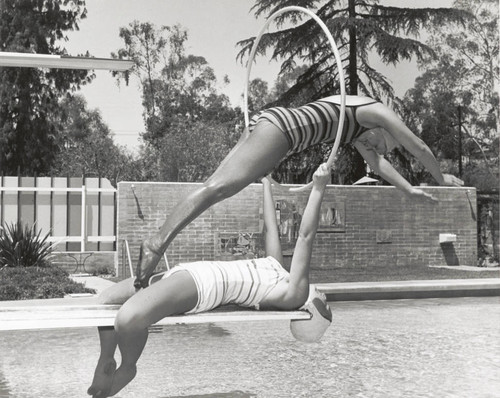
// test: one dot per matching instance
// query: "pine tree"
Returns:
(29, 96)
(361, 28)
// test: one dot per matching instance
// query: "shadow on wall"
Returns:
(138, 205)
(449, 253)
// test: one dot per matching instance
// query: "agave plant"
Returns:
(23, 246)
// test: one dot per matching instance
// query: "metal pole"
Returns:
(68, 213)
(35, 213)
(460, 141)
(129, 258)
(19, 183)
(1, 199)
(99, 221)
(84, 217)
(51, 206)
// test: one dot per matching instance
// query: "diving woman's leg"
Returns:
(252, 158)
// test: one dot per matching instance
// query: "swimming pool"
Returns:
(399, 348)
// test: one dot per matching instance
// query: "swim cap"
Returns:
(311, 330)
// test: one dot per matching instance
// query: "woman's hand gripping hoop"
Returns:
(338, 60)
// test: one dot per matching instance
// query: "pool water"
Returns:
(399, 348)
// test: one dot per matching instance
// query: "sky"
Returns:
(214, 28)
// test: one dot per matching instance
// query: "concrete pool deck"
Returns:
(353, 291)
(391, 290)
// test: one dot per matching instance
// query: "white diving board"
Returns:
(27, 317)
(29, 60)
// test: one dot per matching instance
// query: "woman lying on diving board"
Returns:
(202, 286)
(371, 127)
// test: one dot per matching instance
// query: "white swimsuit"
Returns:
(242, 282)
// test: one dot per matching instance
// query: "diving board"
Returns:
(26, 317)
(29, 60)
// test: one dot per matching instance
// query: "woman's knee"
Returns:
(105, 298)
(130, 319)
(118, 293)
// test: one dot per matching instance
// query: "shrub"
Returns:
(37, 283)
(103, 270)
(23, 246)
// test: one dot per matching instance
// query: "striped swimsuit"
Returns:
(242, 282)
(312, 124)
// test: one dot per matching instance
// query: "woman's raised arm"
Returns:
(272, 239)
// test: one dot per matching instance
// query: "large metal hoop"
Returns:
(338, 60)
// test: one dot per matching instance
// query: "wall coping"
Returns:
(298, 185)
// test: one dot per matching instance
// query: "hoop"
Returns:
(338, 60)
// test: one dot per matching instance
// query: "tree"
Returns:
(88, 146)
(359, 29)
(454, 103)
(258, 95)
(29, 96)
(173, 84)
(183, 107)
(148, 47)
(190, 151)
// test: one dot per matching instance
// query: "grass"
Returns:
(400, 273)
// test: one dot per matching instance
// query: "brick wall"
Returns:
(87, 262)
(377, 225)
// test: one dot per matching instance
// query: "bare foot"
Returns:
(103, 378)
(148, 260)
(123, 375)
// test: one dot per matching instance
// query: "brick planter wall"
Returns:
(76, 262)
(378, 225)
